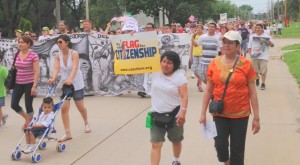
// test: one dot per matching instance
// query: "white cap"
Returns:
(233, 36)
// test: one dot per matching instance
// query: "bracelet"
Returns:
(33, 85)
(256, 119)
(184, 109)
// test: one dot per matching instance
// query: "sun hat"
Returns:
(233, 36)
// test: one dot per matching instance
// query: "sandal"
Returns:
(87, 128)
(64, 138)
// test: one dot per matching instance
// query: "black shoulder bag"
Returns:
(12, 73)
(216, 106)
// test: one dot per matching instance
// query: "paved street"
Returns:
(119, 136)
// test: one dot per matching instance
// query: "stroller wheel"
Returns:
(61, 147)
(35, 158)
(43, 145)
(16, 155)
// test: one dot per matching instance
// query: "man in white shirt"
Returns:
(279, 26)
(258, 47)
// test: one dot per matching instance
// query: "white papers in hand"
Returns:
(209, 130)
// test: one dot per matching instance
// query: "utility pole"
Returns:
(285, 9)
(87, 9)
(278, 14)
(57, 11)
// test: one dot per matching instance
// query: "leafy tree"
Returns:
(175, 10)
(102, 14)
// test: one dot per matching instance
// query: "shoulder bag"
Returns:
(12, 73)
(216, 106)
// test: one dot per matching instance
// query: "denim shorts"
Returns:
(2, 101)
(37, 131)
(78, 95)
(175, 134)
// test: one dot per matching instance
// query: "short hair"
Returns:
(66, 38)
(27, 40)
(48, 100)
(260, 25)
(87, 20)
(151, 24)
(172, 56)
(212, 23)
(64, 22)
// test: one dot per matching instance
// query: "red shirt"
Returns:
(237, 98)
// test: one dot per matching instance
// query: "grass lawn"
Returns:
(293, 61)
(291, 32)
(292, 47)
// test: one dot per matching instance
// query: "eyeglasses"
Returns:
(229, 43)
(59, 42)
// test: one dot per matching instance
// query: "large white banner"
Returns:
(96, 62)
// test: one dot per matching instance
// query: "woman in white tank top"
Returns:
(67, 65)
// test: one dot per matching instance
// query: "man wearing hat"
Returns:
(45, 34)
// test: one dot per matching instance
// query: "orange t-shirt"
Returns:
(237, 98)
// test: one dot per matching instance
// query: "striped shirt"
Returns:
(210, 47)
(25, 73)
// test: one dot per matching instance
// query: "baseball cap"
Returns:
(193, 25)
(45, 28)
(20, 31)
(233, 36)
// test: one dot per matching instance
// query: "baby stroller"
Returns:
(49, 133)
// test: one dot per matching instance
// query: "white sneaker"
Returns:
(29, 149)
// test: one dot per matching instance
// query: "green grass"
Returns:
(291, 47)
(293, 61)
(291, 32)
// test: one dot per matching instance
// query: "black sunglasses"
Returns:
(59, 42)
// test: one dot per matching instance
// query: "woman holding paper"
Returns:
(168, 95)
(233, 121)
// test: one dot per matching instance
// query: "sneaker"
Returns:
(257, 82)
(4, 118)
(29, 149)
(263, 86)
(176, 163)
(142, 94)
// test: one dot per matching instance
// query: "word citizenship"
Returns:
(137, 53)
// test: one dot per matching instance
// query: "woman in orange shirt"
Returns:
(240, 93)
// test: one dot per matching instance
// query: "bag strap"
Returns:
(228, 77)
(16, 55)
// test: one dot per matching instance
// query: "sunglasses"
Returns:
(59, 42)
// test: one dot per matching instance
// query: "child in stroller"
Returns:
(39, 127)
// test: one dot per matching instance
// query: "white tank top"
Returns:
(65, 71)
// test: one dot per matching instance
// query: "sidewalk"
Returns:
(119, 136)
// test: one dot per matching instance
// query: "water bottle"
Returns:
(149, 120)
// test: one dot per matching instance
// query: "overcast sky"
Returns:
(259, 6)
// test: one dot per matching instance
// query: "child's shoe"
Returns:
(29, 149)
